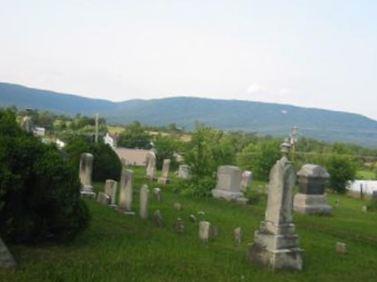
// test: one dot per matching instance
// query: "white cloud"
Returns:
(256, 88)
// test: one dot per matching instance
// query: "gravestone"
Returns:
(179, 225)
(192, 218)
(144, 197)
(177, 206)
(85, 173)
(111, 188)
(229, 184)
(237, 233)
(246, 179)
(27, 124)
(184, 171)
(158, 219)
(151, 165)
(341, 248)
(6, 258)
(103, 198)
(126, 193)
(204, 230)
(164, 179)
(276, 243)
(311, 198)
(157, 194)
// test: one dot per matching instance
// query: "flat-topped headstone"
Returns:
(111, 188)
(184, 171)
(144, 198)
(204, 230)
(276, 244)
(311, 198)
(151, 165)
(246, 179)
(126, 190)
(85, 173)
(6, 258)
(229, 184)
(164, 179)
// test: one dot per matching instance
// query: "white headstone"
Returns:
(229, 184)
(184, 172)
(151, 165)
(164, 179)
(103, 198)
(275, 243)
(246, 179)
(144, 197)
(157, 194)
(85, 173)
(125, 197)
(204, 230)
(111, 187)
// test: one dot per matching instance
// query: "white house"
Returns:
(367, 186)
(110, 140)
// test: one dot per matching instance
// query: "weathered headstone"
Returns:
(6, 258)
(144, 197)
(311, 198)
(237, 233)
(164, 179)
(177, 206)
(341, 248)
(204, 230)
(179, 225)
(184, 171)
(157, 194)
(126, 191)
(229, 184)
(158, 219)
(103, 198)
(275, 243)
(151, 165)
(111, 188)
(85, 173)
(246, 179)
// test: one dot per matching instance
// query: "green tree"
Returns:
(135, 137)
(260, 157)
(341, 169)
(166, 146)
(39, 191)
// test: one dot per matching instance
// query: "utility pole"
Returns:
(96, 133)
(293, 141)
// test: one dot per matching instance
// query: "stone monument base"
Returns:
(229, 196)
(311, 204)
(87, 191)
(276, 251)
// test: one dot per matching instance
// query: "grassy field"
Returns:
(117, 247)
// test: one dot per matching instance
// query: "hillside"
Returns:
(264, 118)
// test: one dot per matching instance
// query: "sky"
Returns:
(320, 53)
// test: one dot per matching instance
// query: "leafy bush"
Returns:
(39, 191)
(135, 137)
(106, 164)
(199, 187)
(341, 169)
(166, 146)
(260, 157)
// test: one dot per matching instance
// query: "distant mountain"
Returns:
(263, 118)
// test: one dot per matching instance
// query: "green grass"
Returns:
(122, 248)
(365, 174)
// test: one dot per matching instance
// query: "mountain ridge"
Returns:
(233, 114)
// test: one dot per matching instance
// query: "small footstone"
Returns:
(179, 226)
(157, 219)
(157, 194)
(103, 198)
(177, 206)
(364, 209)
(204, 230)
(237, 233)
(341, 248)
(192, 218)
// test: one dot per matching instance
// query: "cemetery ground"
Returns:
(118, 247)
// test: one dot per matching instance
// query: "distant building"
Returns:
(39, 131)
(135, 157)
(111, 140)
(366, 186)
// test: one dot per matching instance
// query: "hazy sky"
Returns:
(309, 53)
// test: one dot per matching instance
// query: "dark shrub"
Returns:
(39, 191)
